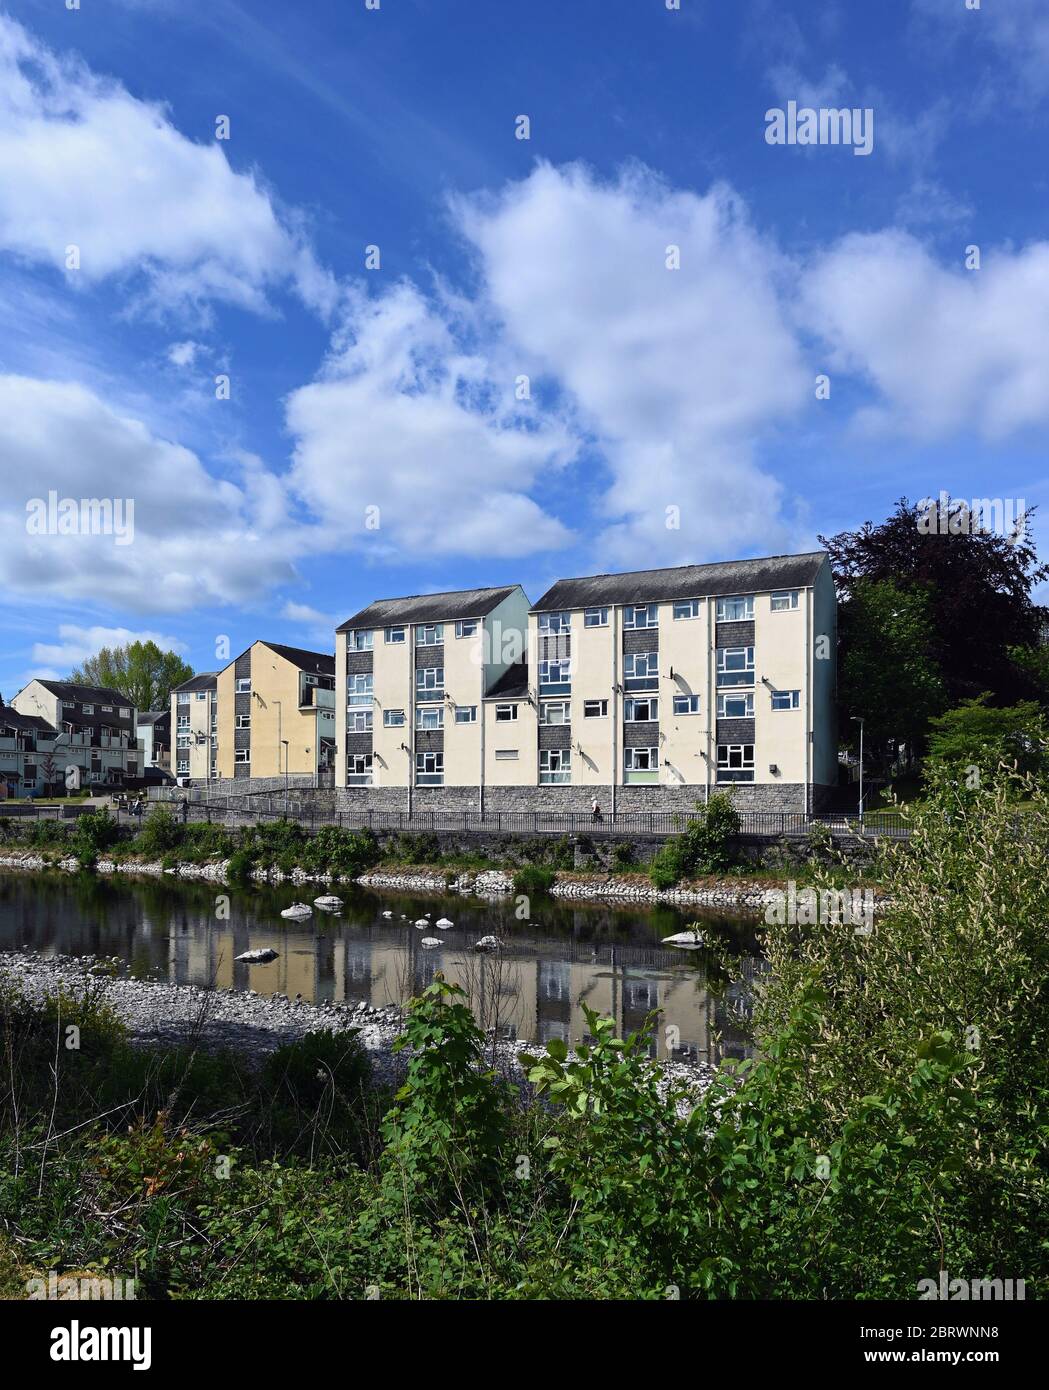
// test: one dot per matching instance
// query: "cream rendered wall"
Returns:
(685, 647)
(340, 709)
(275, 717)
(463, 673)
(781, 656)
(37, 699)
(199, 712)
(523, 735)
(225, 687)
(393, 677)
(593, 651)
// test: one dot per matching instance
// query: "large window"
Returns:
(784, 601)
(360, 640)
(429, 769)
(429, 634)
(641, 764)
(786, 699)
(359, 688)
(641, 670)
(641, 711)
(555, 712)
(735, 762)
(595, 617)
(736, 608)
(735, 666)
(429, 717)
(429, 682)
(359, 721)
(359, 770)
(395, 636)
(739, 706)
(551, 624)
(555, 765)
(555, 677)
(641, 615)
(686, 704)
(688, 608)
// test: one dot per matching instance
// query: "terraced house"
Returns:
(276, 713)
(646, 691)
(94, 730)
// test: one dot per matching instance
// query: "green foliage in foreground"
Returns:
(703, 847)
(894, 1124)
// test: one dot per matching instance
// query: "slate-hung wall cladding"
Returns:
(680, 681)
(276, 713)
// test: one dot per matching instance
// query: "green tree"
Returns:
(974, 733)
(142, 673)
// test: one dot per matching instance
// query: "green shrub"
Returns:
(703, 847)
(160, 833)
(533, 879)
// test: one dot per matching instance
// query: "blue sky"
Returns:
(391, 394)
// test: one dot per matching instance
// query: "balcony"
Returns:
(314, 697)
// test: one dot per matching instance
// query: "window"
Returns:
(243, 686)
(88, 709)
(123, 713)
(555, 712)
(736, 609)
(359, 770)
(359, 721)
(550, 624)
(466, 627)
(505, 714)
(107, 709)
(183, 741)
(506, 755)
(395, 636)
(641, 615)
(641, 670)
(359, 640)
(735, 666)
(429, 769)
(466, 714)
(555, 677)
(200, 695)
(686, 704)
(242, 755)
(183, 698)
(429, 717)
(786, 699)
(735, 762)
(183, 721)
(393, 718)
(429, 634)
(641, 711)
(688, 608)
(183, 766)
(784, 601)
(429, 682)
(555, 765)
(641, 764)
(595, 709)
(359, 688)
(736, 706)
(595, 617)
(241, 721)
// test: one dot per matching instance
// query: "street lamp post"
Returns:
(856, 719)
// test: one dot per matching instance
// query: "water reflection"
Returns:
(608, 957)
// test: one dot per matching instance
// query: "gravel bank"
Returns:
(160, 1014)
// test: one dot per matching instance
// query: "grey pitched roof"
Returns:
(151, 716)
(203, 680)
(685, 581)
(429, 608)
(85, 694)
(319, 663)
(10, 718)
(513, 683)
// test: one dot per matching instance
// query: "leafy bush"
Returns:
(533, 878)
(703, 847)
(160, 833)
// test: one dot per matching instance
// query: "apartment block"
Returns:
(276, 713)
(153, 730)
(413, 679)
(94, 730)
(643, 690)
(194, 722)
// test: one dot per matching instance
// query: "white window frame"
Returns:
(359, 721)
(793, 698)
(360, 639)
(649, 676)
(466, 714)
(429, 682)
(725, 669)
(466, 627)
(360, 768)
(182, 767)
(632, 613)
(630, 715)
(747, 696)
(393, 719)
(735, 760)
(429, 717)
(723, 615)
(690, 704)
(506, 714)
(429, 634)
(506, 755)
(429, 769)
(632, 755)
(395, 636)
(595, 617)
(242, 685)
(555, 766)
(242, 755)
(241, 721)
(547, 706)
(693, 605)
(553, 624)
(359, 688)
(563, 679)
(601, 712)
(792, 597)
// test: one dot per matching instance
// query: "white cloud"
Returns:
(676, 373)
(85, 164)
(197, 539)
(309, 617)
(76, 644)
(183, 354)
(407, 421)
(946, 349)
(1016, 32)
